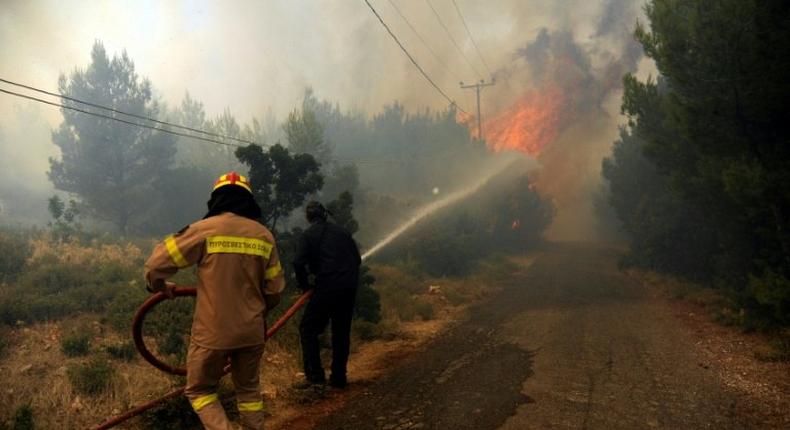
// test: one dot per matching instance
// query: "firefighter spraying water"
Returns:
(180, 250)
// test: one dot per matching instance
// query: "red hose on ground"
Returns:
(139, 342)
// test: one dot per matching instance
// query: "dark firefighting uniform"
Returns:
(328, 252)
(238, 271)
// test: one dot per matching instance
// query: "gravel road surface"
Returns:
(570, 342)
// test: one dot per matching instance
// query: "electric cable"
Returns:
(452, 39)
(72, 99)
(164, 130)
(413, 61)
(479, 54)
(424, 43)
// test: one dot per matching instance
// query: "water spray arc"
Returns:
(429, 209)
(139, 317)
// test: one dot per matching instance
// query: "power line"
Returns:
(413, 61)
(478, 86)
(72, 99)
(447, 31)
(457, 9)
(164, 130)
(424, 43)
(100, 115)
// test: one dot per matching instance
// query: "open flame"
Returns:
(531, 123)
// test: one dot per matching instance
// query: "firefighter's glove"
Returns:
(164, 287)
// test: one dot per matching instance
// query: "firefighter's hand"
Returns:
(164, 287)
(169, 290)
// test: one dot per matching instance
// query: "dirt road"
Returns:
(569, 343)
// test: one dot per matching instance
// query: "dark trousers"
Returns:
(336, 306)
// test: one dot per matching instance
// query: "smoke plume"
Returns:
(561, 113)
(555, 62)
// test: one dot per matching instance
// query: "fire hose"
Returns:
(139, 342)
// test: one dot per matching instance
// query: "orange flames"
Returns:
(530, 124)
(464, 118)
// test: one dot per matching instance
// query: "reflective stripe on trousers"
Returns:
(202, 401)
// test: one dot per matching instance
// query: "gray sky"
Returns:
(250, 56)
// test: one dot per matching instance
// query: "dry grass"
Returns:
(34, 369)
(44, 248)
(34, 372)
(680, 289)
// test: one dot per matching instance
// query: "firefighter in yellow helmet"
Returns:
(239, 279)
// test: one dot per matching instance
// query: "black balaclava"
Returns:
(235, 199)
(315, 212)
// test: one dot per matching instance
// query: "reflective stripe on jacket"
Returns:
(237, 266)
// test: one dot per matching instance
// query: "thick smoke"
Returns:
(562, 113)
(257, 57)
(250, 55)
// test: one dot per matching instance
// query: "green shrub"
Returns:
(368, 303)
(169, 324)
(366, 330)
(781, 345)
(442, 253)
(91, 378)
(453, 296)
(4, 342)
(23, 418)
(124, 351)
(424, 309)
(51, 290)
(177, 413)
(398, 301)
(173, 343)
(27, 307)
(50, 277)
(174, 414)
(771, 293)
(122, 307)
(14, 252)
(780, 348)
(76, 344)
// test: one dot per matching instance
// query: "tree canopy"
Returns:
(305, 133)
(281, 182)
(112, 168)
(708, 143)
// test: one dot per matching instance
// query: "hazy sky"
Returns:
(250, 56)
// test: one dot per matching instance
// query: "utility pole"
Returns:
(479, 86)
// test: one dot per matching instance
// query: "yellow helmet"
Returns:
(233, 178)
